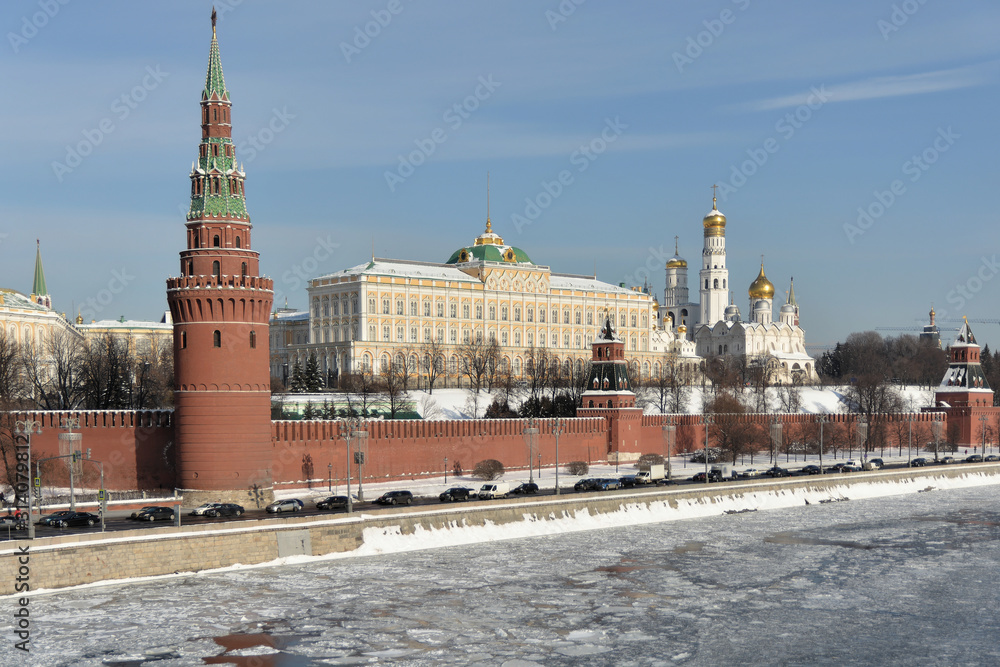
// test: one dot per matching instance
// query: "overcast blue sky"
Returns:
(802, 112)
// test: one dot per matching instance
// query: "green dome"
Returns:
(489, 253)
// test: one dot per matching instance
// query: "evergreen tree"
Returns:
(297, 385)
(313, 378)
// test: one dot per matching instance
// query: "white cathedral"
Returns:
(714, 326)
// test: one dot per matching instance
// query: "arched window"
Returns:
(184, 339)
(216, 338)
(216, 270)
(706, 283)
(253, 340)
(715, 284)
(238, 243)
(244, 270)
(215, 241)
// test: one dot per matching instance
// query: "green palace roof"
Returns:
(489, 247)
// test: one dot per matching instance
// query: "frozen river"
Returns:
(905, 580)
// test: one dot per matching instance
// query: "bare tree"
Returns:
(362, 390)
(53, 371)
(670, 385)
(475, 360)
(392, 386)
(762, 372)
(734, 433)
(432, 362)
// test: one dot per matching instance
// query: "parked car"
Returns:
(945, 460)
(608, 484)
(589, 484)
(456, 494)
(776, 471)
(332, 503)
(712, 477)
(200, 510)
(850, 466)
(394, 498)
(749, 472)
(224, 509)
(991, 458)
(699, 456)
(286, 505)
(74, 519)
(53, 519)
(975, 458)
(525, 488)
(918, 462)
(139, 511)
(155, 513)
(877, 463)
(810, 470)
(628, 481)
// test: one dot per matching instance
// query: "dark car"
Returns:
(877, 463)
(589, 484)
(776, 471)
(700, 478)
(77, 519)
(525, 488)
(991, 458)
(456, 494)
(394, 498)
(332, 503)
(975, 458)
(224, 509)
(918, 462)
(810, 470)
(945, 460)
(287, 505)
(629, 481)
(53, 519)
(155, 513)
(835, 467)
(139, 511)
(847, 467)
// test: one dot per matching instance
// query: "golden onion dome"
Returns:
(761, 288)
(682, 329)
(714, 222)
(676, 263)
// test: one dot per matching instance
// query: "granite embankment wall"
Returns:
(76, 559)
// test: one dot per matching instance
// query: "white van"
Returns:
(494, 490)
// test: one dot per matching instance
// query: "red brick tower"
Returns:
(220, 306)
(964, 394)
(609, 394)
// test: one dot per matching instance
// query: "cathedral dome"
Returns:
(761, 288)
(676, 262)
(714, 222)
(489, 246)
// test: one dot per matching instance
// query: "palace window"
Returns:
(453, 310)
(479, 311)
(579, 317)
(440, 309)
(590, 317)
(427, 334)
(453, 336)
(633, 320)
(385, 306)
(531, 314)
(399, 334)
(503, 338)
(465, 311)
(531, 339)
(517, 338)
(493, 312)
(465, 336)
(541, 315)
(413, 334)
(399, 307)
(517, 313)
(385, 333)
(413, 308)
(503, 313)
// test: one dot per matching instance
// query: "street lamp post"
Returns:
(707, 420)
(329, 477)
(446, 470)
(539, 465)
(557, 430)
(669, 433)
(982, 427)
(531, 441)
(822, 420)
(909, 439)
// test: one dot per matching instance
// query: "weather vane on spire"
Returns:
(213, 21)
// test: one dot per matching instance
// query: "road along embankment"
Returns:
(86, 558)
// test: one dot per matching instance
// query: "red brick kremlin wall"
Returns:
(137, 448)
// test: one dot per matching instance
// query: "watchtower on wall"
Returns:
(964, 394)
(609, 394)
(220, 306)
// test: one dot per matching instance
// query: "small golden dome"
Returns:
(761, 288)
(714, 222)
(676, 263)
(682, 329)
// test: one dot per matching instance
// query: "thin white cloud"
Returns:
(882, 87)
